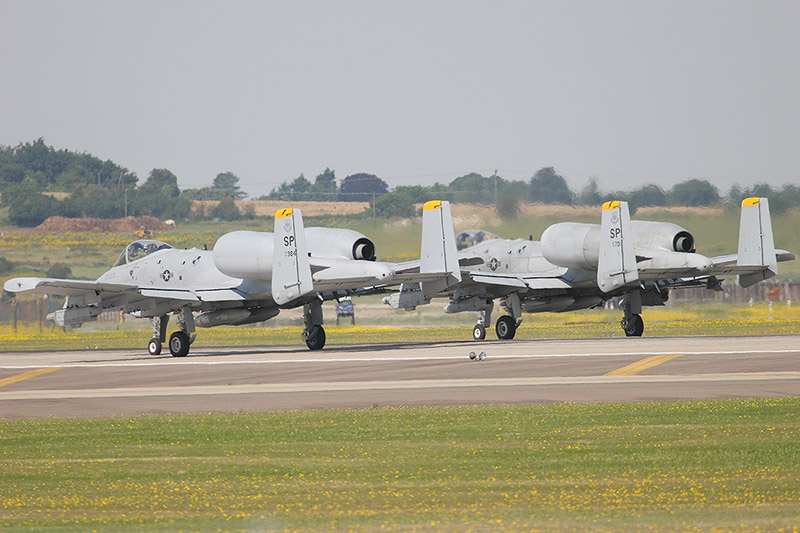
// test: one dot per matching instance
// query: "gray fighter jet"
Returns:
(248, 277)
(580, 266)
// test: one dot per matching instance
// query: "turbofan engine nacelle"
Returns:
(245, 254)
(572, 245)
(575, 245)
(336, 243)
(661, 235)
(248, 254)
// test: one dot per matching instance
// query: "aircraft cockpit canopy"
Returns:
(141, 248)
(471, 237)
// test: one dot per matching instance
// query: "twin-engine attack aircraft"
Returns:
(579, 266)
(248, 277)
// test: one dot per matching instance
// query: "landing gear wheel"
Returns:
(506, 328)
(179, 344)
(154, 346)
(634, 326)
(315, 338)
(479, 332)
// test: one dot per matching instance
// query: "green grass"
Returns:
(378, 323)
(725, 465)
(28, 337)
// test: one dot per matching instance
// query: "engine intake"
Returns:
(340, 243)
(683, 242)
(651, 235)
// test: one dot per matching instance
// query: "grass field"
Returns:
(697, 466)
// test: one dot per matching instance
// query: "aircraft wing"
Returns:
(412, 277)
(412, 267)
(65, 287)
(75, 287)
(88, 299)
(518, 281)
(170, 294)
(220, 295)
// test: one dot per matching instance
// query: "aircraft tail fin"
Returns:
(616, 265)
(756, 244)
(438, 253)
(291, 269)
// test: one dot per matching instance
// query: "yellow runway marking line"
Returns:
(644, 364)
(27, 375)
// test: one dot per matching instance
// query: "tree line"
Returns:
(545, 186)
(31, 172)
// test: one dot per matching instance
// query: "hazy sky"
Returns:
(630, 92)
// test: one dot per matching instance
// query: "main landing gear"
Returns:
(179, 341)
(314, 333)
(506, 326)
(633, 326)
(179, 344)
(632, 322)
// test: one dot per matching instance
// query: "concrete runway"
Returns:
(267, 378)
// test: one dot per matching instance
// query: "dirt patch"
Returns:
(681, 210)
(57, 195)
(101, 225)
(525, 208)
(310, 209)
(536, 209)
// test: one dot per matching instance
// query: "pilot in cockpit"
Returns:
(138, 249)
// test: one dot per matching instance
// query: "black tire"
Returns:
(633, 327)
(505, 328)
(154, 346)
(479, 332)
(315, 338)
(179, 344)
